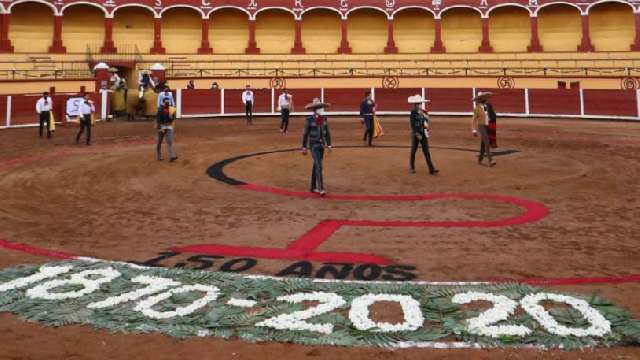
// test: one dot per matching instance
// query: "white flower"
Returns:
(243, 303)
(42, 291)
(295, 320)
(145, 306)
(599, 325)
(45, 272)
(503, 307)
(359, 313)
(155, 285)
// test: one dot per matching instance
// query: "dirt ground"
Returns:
(113, 200)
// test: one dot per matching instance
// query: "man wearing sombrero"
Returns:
(480, 123)
(419, 133)
(316, 136)
(145, 82)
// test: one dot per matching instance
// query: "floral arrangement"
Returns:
(183, 303)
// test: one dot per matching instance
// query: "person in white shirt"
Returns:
(285, 104)
(43, 108)
(86, 109)
(247, 100)
(166, 94)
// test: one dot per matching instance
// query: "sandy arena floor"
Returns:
(113, 200)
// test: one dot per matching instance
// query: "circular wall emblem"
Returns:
(506, 82)
(629, 83)
(390, 82)
(278, 83)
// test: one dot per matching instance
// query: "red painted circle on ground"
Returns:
(534, 211)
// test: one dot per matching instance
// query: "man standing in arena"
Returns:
(285, 104)
(367, 112)
(419, 133)
(316, 136)
(164, 124)
(86, 110)
(247, 100)
(44, 106)
(480, 125)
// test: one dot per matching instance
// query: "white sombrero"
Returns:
(482, 95)
(417, 99)
(315, 104)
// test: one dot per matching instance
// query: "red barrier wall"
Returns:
(395, 99)
(507, 100)
(233, 100)
(344, 99)
(610, 102)
(201, 101)
(554, 101)
(23, 109)
(3, 110)
(301, 97)
(449, 100)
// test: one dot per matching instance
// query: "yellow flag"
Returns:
(52, 122)
(377, 128)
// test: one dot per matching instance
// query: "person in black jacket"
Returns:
(367, 112)
(419, 133)
(164, 124)
(316, 136)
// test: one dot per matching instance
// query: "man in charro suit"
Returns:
(367, 112)
(483, 115)
(316, 137)
(419, 120)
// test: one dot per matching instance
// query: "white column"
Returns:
(526, 102)
(373, 94)
(222, 101)
(473, 94)
(273, 94)
(321, 94)
(423, 93)
(103, 105)
(637, 102)
(581, 102)
(8, 111)
(178, 103)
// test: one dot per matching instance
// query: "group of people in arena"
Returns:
(316, 134)
(86, 108)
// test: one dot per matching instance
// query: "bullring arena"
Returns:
(221, 250)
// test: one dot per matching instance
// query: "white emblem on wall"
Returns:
(205, 3)
(109, 3)
(158, 3)
(344, 5)
(253, 4)
(533, 3)
(436, 3)
(297, 6)
(390, 4)
(484, 3)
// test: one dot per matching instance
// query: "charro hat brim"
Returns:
(417, 99)
(483, 95)
(313, 106)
